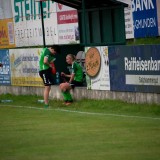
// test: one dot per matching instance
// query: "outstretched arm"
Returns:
(71, 76)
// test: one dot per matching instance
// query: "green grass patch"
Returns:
(98, 106)
(45, 134)
(146, 41)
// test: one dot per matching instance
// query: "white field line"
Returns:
(82, 112)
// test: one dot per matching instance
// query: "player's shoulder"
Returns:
(77, 64)
(46, 51)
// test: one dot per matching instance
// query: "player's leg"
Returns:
(46, 95)
(45, 75)
(65, 89)
(65, 86)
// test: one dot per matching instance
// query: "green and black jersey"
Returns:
(77, 71)
(45, 53)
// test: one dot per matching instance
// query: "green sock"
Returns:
(46, 105)
(64, 96)
(69, 96)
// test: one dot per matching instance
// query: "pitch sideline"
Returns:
(82, 112)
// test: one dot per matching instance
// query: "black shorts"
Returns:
(76, 84)
(47, 77)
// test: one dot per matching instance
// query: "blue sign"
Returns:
(5, 72)
(145, 20)
(135, 68)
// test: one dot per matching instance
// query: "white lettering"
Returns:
(145, 23)
(141, 5)
(135, 64)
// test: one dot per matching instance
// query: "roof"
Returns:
(77, 4)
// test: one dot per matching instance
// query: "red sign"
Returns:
(67, 17)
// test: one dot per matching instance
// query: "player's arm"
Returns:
(45, 61)
(65, 75)
(71, 77)
(1, 65)
(74, 70)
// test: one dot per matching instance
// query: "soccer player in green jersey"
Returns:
(75, 79)
(47, 58)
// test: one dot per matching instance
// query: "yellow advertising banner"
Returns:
(7, 39)
(25, 67)
(26, 81)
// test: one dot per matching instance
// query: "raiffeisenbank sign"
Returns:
(135, 68)
(142, 65)
(139, 64)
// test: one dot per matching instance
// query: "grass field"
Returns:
(86, 130)
(142, 41)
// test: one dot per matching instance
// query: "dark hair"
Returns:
(55, 47)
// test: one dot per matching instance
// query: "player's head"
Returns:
(53, 49)
(70, 58)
